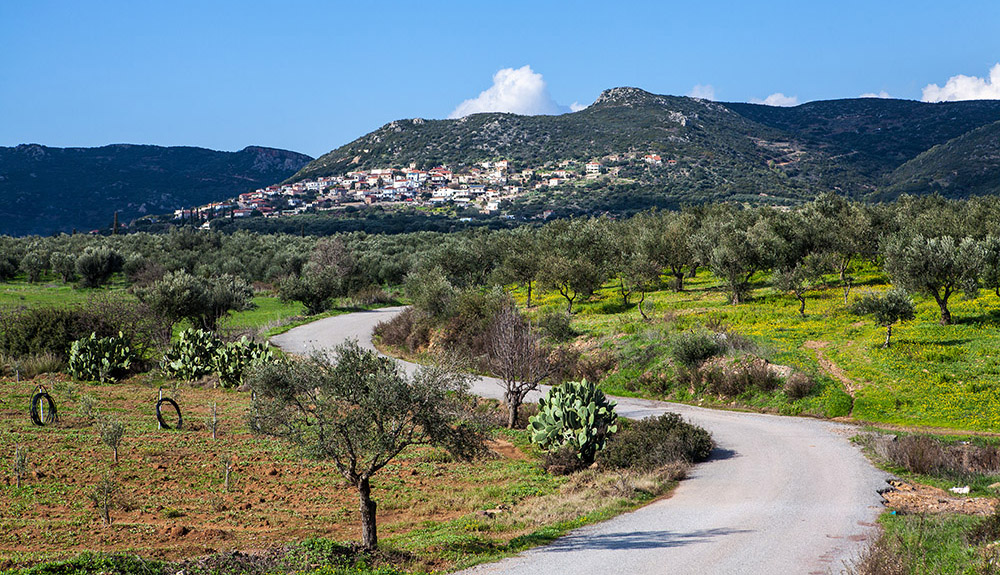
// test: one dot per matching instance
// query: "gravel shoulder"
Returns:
(780, 495)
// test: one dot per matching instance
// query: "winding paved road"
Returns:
(781, 495)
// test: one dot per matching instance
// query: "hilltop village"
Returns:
(484, 187)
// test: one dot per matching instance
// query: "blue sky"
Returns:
(310, 76)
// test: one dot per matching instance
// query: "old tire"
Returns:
(42, 415)
(159, 413)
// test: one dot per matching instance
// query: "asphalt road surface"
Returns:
(781, 495)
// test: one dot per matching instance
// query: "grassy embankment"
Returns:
(932, 375)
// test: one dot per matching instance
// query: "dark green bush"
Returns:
(555, 326)
(691, 348)
(48, 330)
(653, 442)
(97, 264)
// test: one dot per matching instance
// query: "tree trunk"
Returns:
(642, 298)
(369, 537)
(802, 305)
(943, 304)
(625, 293)
(888, 335)
(679, 281)
(847, 292)
(512, 409)
(528, 303)
(945, 314)
(116, 454)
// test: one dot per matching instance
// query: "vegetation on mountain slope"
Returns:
(45, 190)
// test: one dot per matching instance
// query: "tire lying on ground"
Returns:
(159, 413)
(43, 414)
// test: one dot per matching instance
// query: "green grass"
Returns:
(22, 293)
(936, 544)
(933, 375)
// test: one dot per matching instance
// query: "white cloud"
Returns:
(963, 87)
(519, 91)
(577, 106)
(703, 91)
(777, 99)
(881, 94)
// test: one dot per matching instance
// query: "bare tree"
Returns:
(515, 355)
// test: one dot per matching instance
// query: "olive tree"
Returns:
(935, 266)
(204, 301)
(96, 265)
(894, 306)
(327, 274)
(521, 260)
(33, 264)
(360, 411)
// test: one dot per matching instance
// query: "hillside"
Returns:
(966, 165)
(721, 150)
(46, 190)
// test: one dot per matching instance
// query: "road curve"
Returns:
(781, 495)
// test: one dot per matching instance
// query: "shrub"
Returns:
(101, 359)
(37, 330)
(410, 330)
(575, 415)
(799, 385)
(556, 326)
(29, 366)
(654, 442)
(52, 330)
(563, 461)
(691, 348)
(987, 530)
(740, 377)
(930, 456)
(886, 555)
(371, 295)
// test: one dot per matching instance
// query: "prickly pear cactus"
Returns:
(101, 359)
(192, 355)
(576, 414)
(234, 360)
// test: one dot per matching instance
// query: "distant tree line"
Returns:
(927, 245)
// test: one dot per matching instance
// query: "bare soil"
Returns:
(915, 499)
(172, 502)
(830, 367)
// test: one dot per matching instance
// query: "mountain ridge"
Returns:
(49, 189)
(850, 146)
